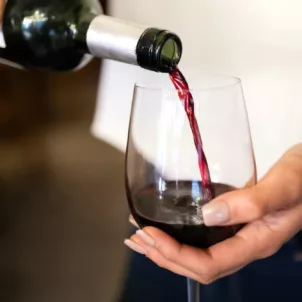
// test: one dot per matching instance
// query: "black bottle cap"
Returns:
(159, 50)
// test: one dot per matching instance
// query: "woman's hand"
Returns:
(272, 210)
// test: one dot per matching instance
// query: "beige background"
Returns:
(259, 41)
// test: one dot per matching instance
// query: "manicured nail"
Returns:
(216, 213)
(134, 246)
(148, 240)
(133, 222)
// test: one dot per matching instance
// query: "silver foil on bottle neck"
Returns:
(115, 39)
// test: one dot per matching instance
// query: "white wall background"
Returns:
(259, 41)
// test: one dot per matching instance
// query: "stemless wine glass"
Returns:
(163, 181)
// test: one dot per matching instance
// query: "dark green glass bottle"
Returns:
(63, 35)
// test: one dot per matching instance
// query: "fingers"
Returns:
(155, 251)
(143, 243)
(196, 261)
(200, 262)
(280, 188)
(256, 240)
(153, 254)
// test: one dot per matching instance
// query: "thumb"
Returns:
(280, 188)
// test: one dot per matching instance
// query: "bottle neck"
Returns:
(115, 39)
(153, 49)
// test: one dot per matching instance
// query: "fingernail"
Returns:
(134, 246)
(147, 239)
(216, 213)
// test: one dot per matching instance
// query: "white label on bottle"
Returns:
(2, 8)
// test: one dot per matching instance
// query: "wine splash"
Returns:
(181, 85)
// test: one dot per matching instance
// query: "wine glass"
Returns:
(163, 181)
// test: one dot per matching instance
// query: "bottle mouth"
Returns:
(168, 52)
(159, 50)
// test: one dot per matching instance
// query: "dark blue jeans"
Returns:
(277, 279)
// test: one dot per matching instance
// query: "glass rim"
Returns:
(227, 82)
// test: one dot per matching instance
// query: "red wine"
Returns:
(63, 35)
(176, 210)
(183, 89)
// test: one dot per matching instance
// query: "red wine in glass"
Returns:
(177, 211)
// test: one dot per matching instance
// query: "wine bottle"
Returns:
(63, 35)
